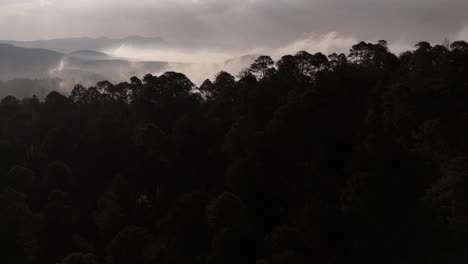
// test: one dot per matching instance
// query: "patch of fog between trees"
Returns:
(199, 65)
(202, 64)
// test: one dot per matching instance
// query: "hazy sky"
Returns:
(245, 23)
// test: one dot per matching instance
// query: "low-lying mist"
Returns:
(117, 63)
(199, 65)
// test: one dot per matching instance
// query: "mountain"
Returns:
(79, 66)
(18, 62)
(68, 45)
(88, 66)
(90, 55)
(29, 70)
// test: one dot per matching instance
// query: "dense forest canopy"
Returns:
(358, 158)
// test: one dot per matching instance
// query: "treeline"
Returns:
(22, 88)
(311, 159)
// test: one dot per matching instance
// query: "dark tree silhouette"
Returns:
(261, 66)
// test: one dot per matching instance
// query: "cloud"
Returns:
(327, 44)
(244, 22)
(202, 64)
(462, 34)
(19, 9)
(169, 54)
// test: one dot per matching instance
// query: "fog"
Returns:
(202, 37)
(136, 56)
(201, 64)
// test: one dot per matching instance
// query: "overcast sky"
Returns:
(243, 23)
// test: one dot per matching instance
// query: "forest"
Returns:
(347, 158)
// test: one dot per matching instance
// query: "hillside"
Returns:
(16, 62)
(69, 45)
(84, 66)
(89, 55)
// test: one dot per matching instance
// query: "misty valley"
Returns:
(39, 67)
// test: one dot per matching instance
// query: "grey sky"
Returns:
(246, 23)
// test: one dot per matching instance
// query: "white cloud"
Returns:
(462, 34)
(328, 43)
(205, 64)
(171, 55)
(19, 9)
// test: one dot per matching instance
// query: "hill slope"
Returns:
(89, 55)
(84, 66)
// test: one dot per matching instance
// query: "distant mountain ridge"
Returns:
(68, 45)
(16, 62)
(83, 66)
(90, 55)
